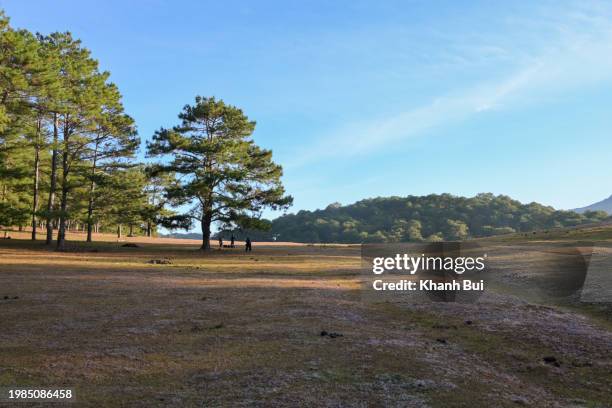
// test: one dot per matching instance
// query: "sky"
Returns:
(359, 99)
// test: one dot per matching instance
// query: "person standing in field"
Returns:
(247, 246)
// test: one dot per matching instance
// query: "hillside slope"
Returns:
(603, 205)
(434, 217)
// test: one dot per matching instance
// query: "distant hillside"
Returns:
(402, 219)
(603, 205)
(433, 217)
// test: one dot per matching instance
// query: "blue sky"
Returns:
(360, 99)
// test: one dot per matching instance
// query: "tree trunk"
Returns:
(206, 222)
(52, 184)
(89, 226)
(119, 232)
(36, 181)
(149, 228)
(61, 234)
(92, 188)
(131, 230)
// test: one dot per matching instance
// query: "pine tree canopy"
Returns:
(222, 173)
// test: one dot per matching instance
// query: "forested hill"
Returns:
(432, 217)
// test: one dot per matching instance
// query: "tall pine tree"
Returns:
(222, 173)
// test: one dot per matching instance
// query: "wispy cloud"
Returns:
(577, 55)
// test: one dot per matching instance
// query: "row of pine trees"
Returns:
(67, 146)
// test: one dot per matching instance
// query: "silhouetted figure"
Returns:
(232, 242)
(220, 241)
(247, 246)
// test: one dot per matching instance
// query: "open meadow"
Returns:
(418, 193)
(163, 324)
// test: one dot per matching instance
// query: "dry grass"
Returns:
(235, 329)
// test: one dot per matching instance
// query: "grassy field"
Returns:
(235, 329)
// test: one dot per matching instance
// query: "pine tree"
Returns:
(223, 174)
(78, 110)
(18, 62)
(21, 86)
(113, 139)
(53, 51)
(154, 211)
(122, 197)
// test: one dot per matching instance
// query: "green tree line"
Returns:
(67, 146)
(427, 218)
(67, 152)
